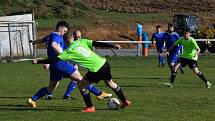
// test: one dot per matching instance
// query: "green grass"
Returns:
(140, 79)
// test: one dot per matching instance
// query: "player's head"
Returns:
(170, 27)
(62, 27)
(68, 38)
(158, 28)
(77, 34)
(187, 33)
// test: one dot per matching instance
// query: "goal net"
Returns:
(15, 33)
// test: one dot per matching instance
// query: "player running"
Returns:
(158, 36)
(170, 37)
(189, 57)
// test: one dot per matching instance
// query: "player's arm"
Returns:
(173, 45)
(58, 50)
(44, 61)
(152, 39)
(197, 47)
(36, 41)
(101, 44)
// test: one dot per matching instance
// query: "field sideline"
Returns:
(139, 77)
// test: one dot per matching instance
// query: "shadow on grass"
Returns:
(12, 97)
(152, 78)
(44, 108)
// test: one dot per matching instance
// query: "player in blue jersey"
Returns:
(72, 85)
(170, 37)
(158, 36)
(55, 45)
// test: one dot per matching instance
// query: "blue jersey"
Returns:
(54, 37)
(159, 39)
(60, 67)
(170, 39)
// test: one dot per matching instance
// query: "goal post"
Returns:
(15, 33)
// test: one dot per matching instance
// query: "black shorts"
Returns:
(191, 63)
(103, 73)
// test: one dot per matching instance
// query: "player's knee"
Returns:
(198, 73)
(111, 84)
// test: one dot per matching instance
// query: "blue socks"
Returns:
(161, 59)
(70, 88)
(43, 91)
(94, 90)
(90, 87)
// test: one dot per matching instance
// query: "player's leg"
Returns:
(107, 77)
(72, 85)
(161, 58)
(194, 67)
(52, 86)
(82, 84)
(55, 76)
(95, 77)
(159, 55)
(100, 95)
(118, 91)
(174, 72)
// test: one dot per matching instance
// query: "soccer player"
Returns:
(170, 37)
(72, 85)
(158, 36)
(55, 46)
(189, 57)
(81, 52)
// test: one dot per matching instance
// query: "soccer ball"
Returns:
(113, 104)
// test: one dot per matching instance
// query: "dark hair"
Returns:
(186, 29)
(170, 25)
(158, 26)
(62, 23)
(67, 35)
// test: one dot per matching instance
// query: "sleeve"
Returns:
(64, 55)
(164, 38)
(46, 61)
(152, 39)
(56, 39)
(195, 44)
(178, 42)
(177, 36)
(88, 42)
(101, 44)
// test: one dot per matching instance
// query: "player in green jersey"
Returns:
(81, 52)
(189, 57)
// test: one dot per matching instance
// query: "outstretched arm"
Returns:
(36, 41)
(44, 61)
(101, 44)
(167, 53)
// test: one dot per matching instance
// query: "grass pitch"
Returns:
(140, 79)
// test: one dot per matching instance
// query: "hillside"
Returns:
(110, 19)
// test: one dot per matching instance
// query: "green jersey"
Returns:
(81, 52)
(189, 48)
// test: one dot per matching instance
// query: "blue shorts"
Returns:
(59, 68)
(160, 48)
(172, 58)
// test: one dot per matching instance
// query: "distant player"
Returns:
(170, 37)
(158, 36)
(189, 57)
